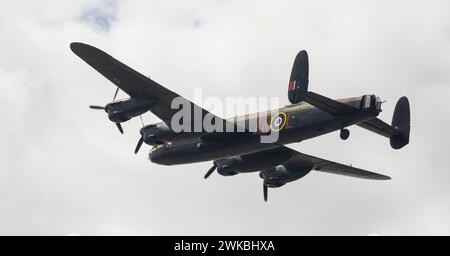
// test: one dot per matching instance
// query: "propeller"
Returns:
(97, 107)
(115, 94)
(139, 144)
(104, 108)
(265, 191)
(119, 126)
(142, 121)
(211, 170)
(141, 139)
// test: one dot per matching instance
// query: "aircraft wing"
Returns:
(128, 80)
(139, 86)
(322, 165)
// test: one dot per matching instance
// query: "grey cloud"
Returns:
(101, 16)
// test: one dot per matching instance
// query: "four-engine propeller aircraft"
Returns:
(310, 115)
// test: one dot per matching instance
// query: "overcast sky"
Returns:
(65, 169)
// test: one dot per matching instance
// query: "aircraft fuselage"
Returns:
(303, 121)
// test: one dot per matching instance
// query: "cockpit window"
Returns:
(159, 146)
(377, 103)
(366, 104)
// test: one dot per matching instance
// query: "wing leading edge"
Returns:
(127, 79)
(322, 165)
(139, 86)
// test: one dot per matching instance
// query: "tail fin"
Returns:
(298, 82)
(401, 122)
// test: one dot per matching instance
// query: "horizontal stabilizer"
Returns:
(332, 107)
(398, 132)
(378, 126)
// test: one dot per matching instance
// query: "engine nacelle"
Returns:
(253, 162)
(156, 134)
(280, 175)
(124, 110)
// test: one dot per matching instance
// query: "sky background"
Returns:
(65, 169)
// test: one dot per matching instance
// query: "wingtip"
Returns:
(75, 46)
(384, 177)
(87, 52)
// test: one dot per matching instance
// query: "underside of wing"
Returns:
(127, 79)
(124, 77)
(139, 86)
(322, 165)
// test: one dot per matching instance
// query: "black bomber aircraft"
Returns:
(310, 115)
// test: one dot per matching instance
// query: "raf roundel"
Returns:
(278, 121)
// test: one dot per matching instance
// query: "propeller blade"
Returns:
(142, 121)
(210, 171)
(119, 126)
(97, 107)
(265, 191)
(139, 144)
(115, 94)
